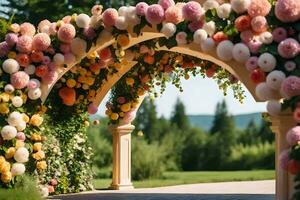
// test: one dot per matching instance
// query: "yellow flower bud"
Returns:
(10, 152)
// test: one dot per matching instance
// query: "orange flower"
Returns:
(243, 23)
(41, 165)
(68, 96)
(39, 155)
(36, 137)
(36, 120)
(220, 36)
(149, 59)
(6, 177)
(37, 146)
(123, 40)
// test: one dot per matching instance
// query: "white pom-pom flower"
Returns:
(78, 46)
(199, 36)
(208, 45)
(274, 79)
(210, 28)
(14, 118)
(30, 69)
(168, 29)
(131, 16)
(59, 59)
(240, 6)
(122, 11)
(224, 50)
(267, 62)
(241, 52)
(10, 66)
(18, 169)
(83, 20)
(34, 94)
(21, 155)
(121, 23)
(9, 88)
(181, 38)
(17, 101)
(265, 93)
(266, 37)
(210, 4)
(223, 11)
(274, 107)
(8, 132)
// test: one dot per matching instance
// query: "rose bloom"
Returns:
(38, 155)
(36, 120)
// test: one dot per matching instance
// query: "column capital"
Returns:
(122, 129)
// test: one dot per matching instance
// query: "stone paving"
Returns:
(248, 190)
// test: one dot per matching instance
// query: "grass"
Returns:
(179, 178)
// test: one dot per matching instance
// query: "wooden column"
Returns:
(121, 179)
(284, 181)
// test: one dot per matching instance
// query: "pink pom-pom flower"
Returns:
(92, 109)
(155, 14)
(288, 48)
(66, 33)
(293, 135)
(41, 42)
(291, 86)
(141, 8)
(19, 79)
(279, 34)
(24, 44)
(284, 159)
(4, 49)
(27, 29)
(259, 8)
(192, 11)
(174, 15)
(110, 17)
(165, 4)
(287, 10)
(11, 39)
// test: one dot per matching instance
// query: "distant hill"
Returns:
(241, 121)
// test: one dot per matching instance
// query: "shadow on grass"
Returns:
(157, 196)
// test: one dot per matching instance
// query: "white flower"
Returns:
(8, 132)
(44, 191)
(266, 37)
(274, 107)
(121, 23)
(83, 20)
(10, 66)
(265, 93)
(289, 65)
(21, 155)
(241, 52)
(30, 69)
(224, 50)
(78, 46)
(199, 36)
(59, 59)
(208, 45)
(131, 16)
(17, 101)
(14, 118)
(34, 94)
(210, 28)
(122, 11)
(9, 88)
(168, 29)
(210, 4)
(267, 62)
(223, 11)
(18, 169)
(240, 6)
(274, 79)
(181, 38)
(21, 126)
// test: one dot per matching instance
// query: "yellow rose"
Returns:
(36, 137)
(130, 81)
(123, 40)
(4, 97)
(36, 120)
(10, 152)
(71, 83)
(41, 165)
(6, 177)
(25, 118)
(37, 146)
(126, 107)
(4, 109)
(5, 167)
(114, 116)
(39, 155)
(2, 159)
(20, 144)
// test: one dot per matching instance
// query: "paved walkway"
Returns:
(247, 190)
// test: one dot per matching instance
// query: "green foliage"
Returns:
(179, 117)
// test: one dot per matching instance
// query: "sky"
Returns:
(200, 96)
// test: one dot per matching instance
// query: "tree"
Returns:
(179, 117)
(250, 135)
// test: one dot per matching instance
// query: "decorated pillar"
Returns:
(121, 179)
(284, 181)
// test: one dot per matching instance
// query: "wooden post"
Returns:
(284, 181)
(121, 179)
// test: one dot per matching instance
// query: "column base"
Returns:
(121, 187)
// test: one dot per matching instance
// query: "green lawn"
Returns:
(178, 178)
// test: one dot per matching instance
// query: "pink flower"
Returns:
(242, 23)
(4, 49)
(50, 77)
(174, 15)
(247, 36)
(32, 84)
(110, 17)
(259, 8)
(46, 60)
(296, 114)
(67, 19)
(279, 34)
(53, 182)
(121, 100)
(27, 29)
(51, 189)
(65, 48)
(69, 58)
(251, 63)
(284, 159)
(21, 136)
(290, 65)
(41, 42)
(155, 14)
(96, 10)
(293, 135)
(287, 10)
(165, 4)
(259, 24)
(11, 39)
(141, 8)
(288, 48)
(291, 86)
(105, 54)
(89, 33)
(92, 109)
(192, 11)
(195, 25)
(23, 59)
(254, 45)
(66, 33)
(181, 38)
(19, 79)
(44, 24)
(24, 44)
(53, 28)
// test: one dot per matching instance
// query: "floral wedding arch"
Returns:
(52, 75)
